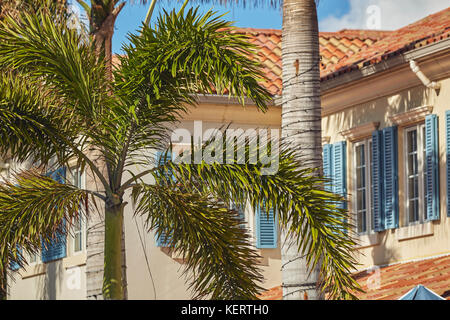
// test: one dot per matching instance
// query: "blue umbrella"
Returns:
(421, 293)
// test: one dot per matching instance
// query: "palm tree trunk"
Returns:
(301, 124)
(112, 278)
(3, 285)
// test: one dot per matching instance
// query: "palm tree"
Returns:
(102, 15)
(61, 106)
(301, 124)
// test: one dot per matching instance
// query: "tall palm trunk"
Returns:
(3, 285)
(301, 123)
(112, 284)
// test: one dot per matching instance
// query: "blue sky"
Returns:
(333, 15)
(131, 16)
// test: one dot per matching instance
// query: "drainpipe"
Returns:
(426, 82)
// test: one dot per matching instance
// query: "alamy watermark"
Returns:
(252, 146)
(374, 280)
(373, 21)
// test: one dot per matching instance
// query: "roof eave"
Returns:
(392, 62)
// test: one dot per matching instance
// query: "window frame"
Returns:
(38, 258)
(83, 231)
(367, 143)
(420, 136)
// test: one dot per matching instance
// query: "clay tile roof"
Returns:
(433, 28)
(396, 280)
(348, 49)
(334, 47)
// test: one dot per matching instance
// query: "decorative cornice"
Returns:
(412, 116)
(360, 132)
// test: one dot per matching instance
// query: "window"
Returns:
(363, 185)
(416, 177)
(79, 228)
(35, 258)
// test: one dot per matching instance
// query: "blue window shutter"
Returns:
(377, 181)
(339, 167)
(266, 229)
(163, 240)
(241, 213)
(432, 166)
(447, 136)
(390, 177)
(56, 248)
(327, 165)
(161, 159)
(13, 265)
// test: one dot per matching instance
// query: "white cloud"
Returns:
(383, 14)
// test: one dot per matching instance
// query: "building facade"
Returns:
(386, 139)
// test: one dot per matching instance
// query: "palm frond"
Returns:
(33, 120)
(187, 54)
(312, 217)
(220, 261)
(57, 56)
(32, 209)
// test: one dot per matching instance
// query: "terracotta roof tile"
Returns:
(433, 28)
(347, 50)
(398, 279)
(334, 47)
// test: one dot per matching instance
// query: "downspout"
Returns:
(425, 80)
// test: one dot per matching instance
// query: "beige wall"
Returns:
(407, 242)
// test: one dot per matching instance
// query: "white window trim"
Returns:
(369, 213)
(419, 128)
(84, 224)
(38, 259)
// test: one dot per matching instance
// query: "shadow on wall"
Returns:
(51, 283)
(381, 254)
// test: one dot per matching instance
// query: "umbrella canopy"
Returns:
(421, 293)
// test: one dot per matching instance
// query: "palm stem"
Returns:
(112, 278)
(149, 13)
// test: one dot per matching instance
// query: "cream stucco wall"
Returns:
(424, 240)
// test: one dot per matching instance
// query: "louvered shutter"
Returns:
(161, 159)
(241, 213)
(447, 140)
(56, 248)
(339, 169)
(266, 229)
(432, 167)
(327, 165)
(390, 177)
(377, 181)
(13, 265)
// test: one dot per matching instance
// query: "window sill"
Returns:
(367, 240)
(76, 260)
(40, 268)
(415, 231)
(34, 270)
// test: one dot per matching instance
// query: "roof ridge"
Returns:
(347, 32)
